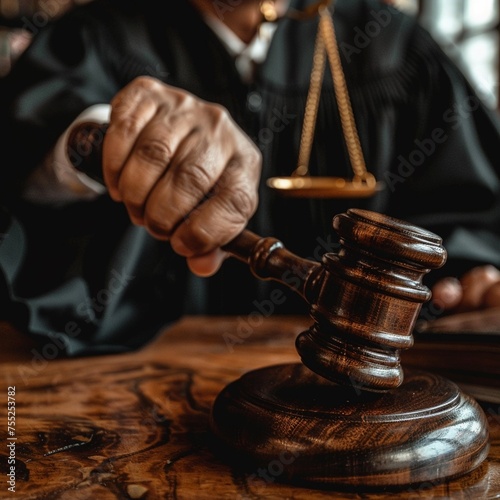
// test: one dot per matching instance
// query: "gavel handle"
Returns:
(267, 258)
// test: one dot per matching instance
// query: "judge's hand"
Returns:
(479, 288)
(182, 167)
(471, 303)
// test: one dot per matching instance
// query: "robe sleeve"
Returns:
(81, 274)
(75, 62)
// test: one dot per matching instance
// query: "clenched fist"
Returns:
(182, 167)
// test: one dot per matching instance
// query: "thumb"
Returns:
(207, 264)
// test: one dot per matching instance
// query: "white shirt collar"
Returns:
(245, 55)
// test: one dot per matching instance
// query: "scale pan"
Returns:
(323, 187)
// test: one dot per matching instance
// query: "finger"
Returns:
(131, 110)
(475, 284)
(447, 293)
(208, 264)
(224, 215)
(148, 161)
(492, 295)
(194, 171)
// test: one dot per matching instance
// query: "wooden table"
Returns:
(136, 425)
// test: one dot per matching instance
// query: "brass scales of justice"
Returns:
(300, 183)
(348, 413)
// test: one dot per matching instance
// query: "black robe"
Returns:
(82, 272)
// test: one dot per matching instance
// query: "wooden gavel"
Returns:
(364, 299)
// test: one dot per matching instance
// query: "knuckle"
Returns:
(157, 224)
(250, 160)
(140, 88)
(491, 273)
(158, 214)
(481, 274)
(241, 204)
(219, 111)
(254, 156)
(219, 116)
(131, 199)
(200, 238)
(142, 85)
(154, 151)
(146, 82)
(193, 180)
(129, 125)
(131, 195)
(492, 295)
(184, 99)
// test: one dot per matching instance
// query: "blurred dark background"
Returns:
(468, 30)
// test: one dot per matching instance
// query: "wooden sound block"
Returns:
(320, 433)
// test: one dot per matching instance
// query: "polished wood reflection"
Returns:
(137, 425)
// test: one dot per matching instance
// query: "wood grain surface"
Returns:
(136, 425)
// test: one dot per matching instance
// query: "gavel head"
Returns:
(370, 295)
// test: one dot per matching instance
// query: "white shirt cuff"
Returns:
(56, 181)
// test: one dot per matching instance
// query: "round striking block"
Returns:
(426, 430)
